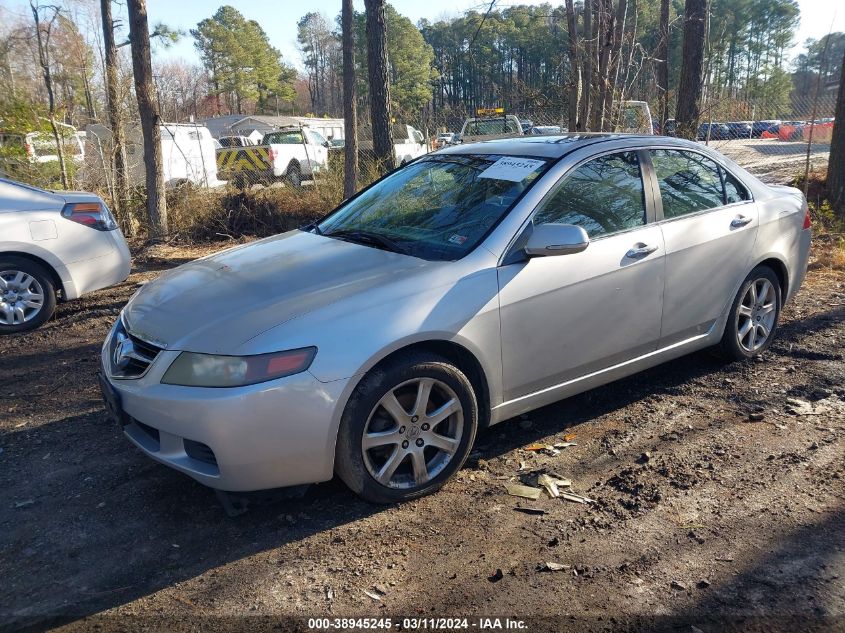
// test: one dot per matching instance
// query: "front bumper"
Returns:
(269, 435)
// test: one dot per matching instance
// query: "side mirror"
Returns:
(326, 144)
(556, 239)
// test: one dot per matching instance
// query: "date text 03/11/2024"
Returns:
(415, 624)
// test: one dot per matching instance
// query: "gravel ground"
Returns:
(774, 161)
(716, 504)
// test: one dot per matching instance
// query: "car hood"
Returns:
(217, 303)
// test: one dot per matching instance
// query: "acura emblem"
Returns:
(124, 351)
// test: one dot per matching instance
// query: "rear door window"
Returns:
(689, 182)
(735, 191)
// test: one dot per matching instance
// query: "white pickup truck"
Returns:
(293, 154)
(408, 142)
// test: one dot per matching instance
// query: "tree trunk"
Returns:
(605, 40)
(139, 36)
(574, 66)
(118, 148)
(350, 108)
(689, 88)
(836, 163)
(379, 86)
(613, 68)
(663, 66)
(43, 41)
(587, 77)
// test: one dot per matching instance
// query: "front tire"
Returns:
(27, 295)
(753, 318)
(407, 428)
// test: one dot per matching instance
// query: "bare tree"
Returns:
(43, 31)
(836, 163)
(118, 154)
(612, 78)
(587, 77)
(574, 66)
(663, 65)
(689, 89)
(379, 85)
(139, 36)
(350, 108)
(604, 41)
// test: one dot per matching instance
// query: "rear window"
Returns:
(483, 127)
(292, 137)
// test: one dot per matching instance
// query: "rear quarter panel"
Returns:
(781, 235)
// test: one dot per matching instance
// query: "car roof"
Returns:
(558, 145)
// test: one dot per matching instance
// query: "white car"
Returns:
(53, 245)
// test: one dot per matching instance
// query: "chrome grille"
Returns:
(129, 356)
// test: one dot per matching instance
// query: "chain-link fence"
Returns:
(304, 157)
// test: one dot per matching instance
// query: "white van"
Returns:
(188, 153)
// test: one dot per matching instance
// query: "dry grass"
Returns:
(829, 253)
(202, 215)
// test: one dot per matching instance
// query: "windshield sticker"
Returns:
(511, 168)
(458, 239)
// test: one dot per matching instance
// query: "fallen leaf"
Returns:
(535, 447)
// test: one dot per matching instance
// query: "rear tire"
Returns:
(419, 415)
(294, 175)
(753, 319)
(27, 295)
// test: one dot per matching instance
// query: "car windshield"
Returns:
(439, 207)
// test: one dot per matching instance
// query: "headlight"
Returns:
(208, 370)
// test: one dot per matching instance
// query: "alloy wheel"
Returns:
(756, 314)
(21, 297)
(412, 433)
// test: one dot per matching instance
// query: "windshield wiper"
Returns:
(370, 239)
(313, 226)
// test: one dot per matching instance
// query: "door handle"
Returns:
(640, 250)
(740, 220)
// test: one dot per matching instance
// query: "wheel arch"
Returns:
(780, 269)
(48, 266)
(458, 355)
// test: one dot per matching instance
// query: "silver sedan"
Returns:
(468, 287)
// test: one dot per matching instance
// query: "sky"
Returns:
(278, 18)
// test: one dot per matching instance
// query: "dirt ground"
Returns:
(716, 506)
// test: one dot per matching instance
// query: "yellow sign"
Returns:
(489, 111)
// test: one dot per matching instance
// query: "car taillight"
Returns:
(807, 219)
(29, 150)
(271, 154)
(93, 214)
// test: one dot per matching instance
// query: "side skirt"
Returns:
(541, 398)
